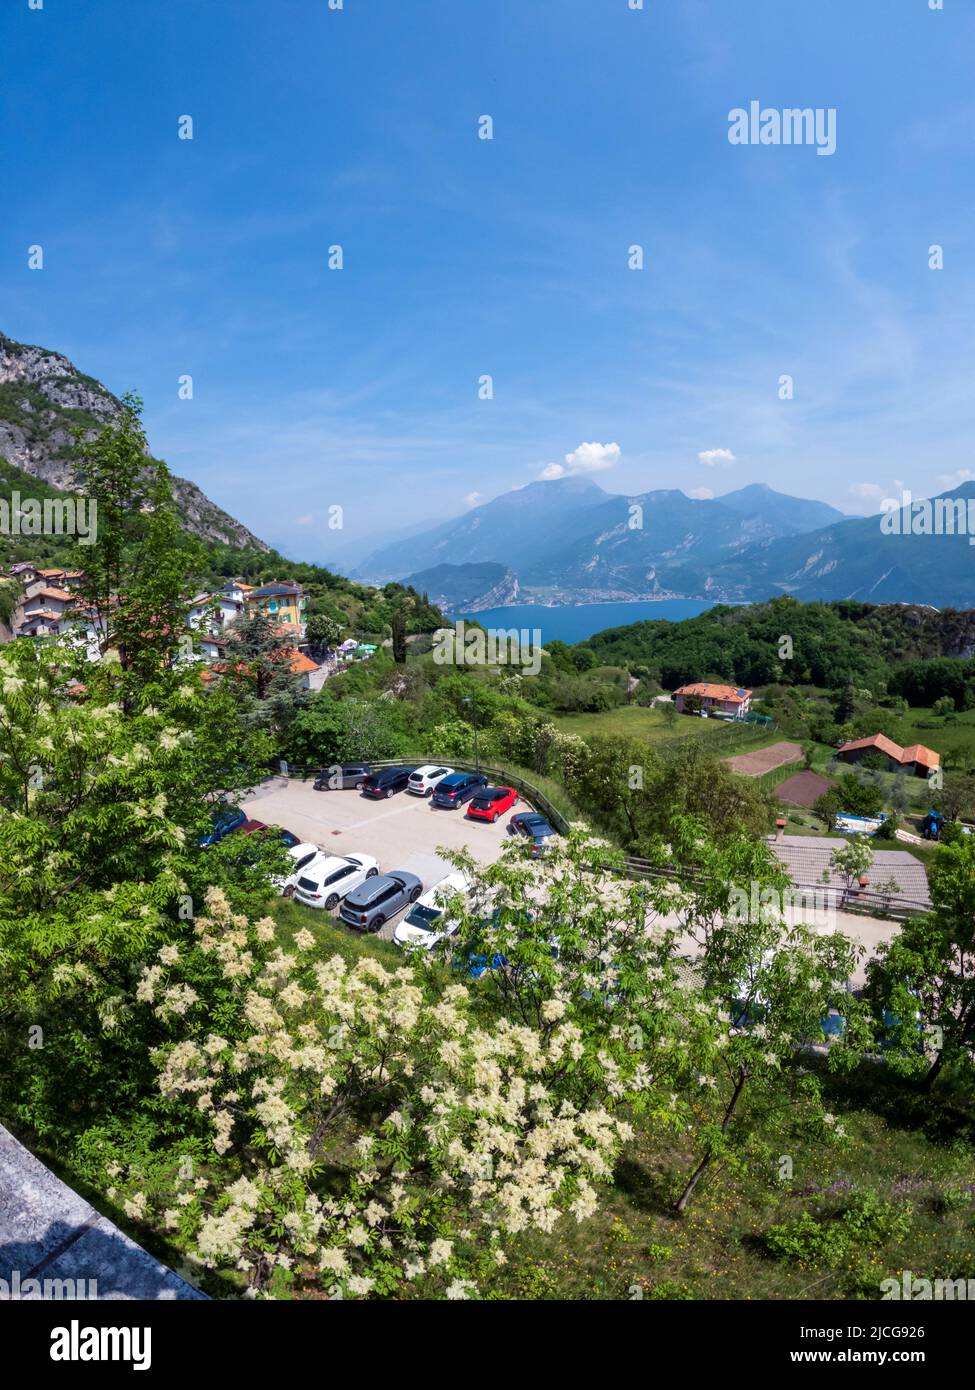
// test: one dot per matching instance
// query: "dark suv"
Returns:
(341, 777)
(372, 904)
(459, 787)
(386, 781)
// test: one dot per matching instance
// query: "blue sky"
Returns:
(465, 257)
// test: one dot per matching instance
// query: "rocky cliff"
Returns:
(44, 399)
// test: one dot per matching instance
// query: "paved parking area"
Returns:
(403, 832)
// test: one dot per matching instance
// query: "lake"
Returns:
(575, 624)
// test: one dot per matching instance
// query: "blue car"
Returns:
(459, 787)
(225, 819)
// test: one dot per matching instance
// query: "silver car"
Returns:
(372, 904)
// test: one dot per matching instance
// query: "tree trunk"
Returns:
(933, 1072)
(708, 1159)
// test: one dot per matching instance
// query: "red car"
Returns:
(491, 802)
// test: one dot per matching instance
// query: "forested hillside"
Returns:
(791, 643)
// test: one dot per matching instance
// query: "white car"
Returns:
(327, 880)
(422, 925)
(303, 855)
(425, 780)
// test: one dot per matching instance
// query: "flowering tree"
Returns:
(680, 1007)
(356, 1123)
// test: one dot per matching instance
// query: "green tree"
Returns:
(851, 861)
(135, 574)
(258, 669)
(924, 978)
(323, 633)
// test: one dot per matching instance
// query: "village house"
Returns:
(713, 699)
(916, 759)
(284, 602)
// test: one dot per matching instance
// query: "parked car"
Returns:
(425, 779)
(423, 925)
(225, 819)
(326, 881)
(303, 854)
(287, 839)
(459, 787)
(534, 827)
(342, 777)
(386, 782)
(492, 802)
(372, 904)
(476, 964)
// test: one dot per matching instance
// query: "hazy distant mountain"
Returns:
(790, 514)
(568, 541)
(856, 559)
(466, 588)
(507, 531)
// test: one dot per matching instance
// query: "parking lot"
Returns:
(402, 832)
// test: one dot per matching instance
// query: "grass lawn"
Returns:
(954, 738)
(650, 724)
(913, 1152)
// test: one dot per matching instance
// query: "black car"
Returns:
(534, 827)
(459, 787)
(386, 781)
(342, 777)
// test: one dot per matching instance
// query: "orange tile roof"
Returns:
(302, 664)
(879, 741)
(707, 689)
(915, 753)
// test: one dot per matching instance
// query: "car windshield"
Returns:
(309, 885)
(421, 916)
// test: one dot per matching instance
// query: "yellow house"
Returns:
(284, 602)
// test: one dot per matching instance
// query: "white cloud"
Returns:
(587, 458)
(471, 499)
(714, 458)
(701, 494)
(960, 475)
(305, 520)
(866, 490)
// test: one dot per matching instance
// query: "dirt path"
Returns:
(765, 759)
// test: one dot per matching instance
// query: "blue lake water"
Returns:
(575, 624)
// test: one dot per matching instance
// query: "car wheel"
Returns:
(389, 793)
(359, 786)
(371, 873)
(332, 901)
(378, 922)
(415, 894)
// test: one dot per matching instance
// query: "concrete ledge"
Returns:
(49, 1233)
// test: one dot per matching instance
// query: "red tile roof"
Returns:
(915, 753)
(708, 690)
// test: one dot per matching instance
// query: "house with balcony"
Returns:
(284, 602)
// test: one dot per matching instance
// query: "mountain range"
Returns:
(563, 541)
(569, 541)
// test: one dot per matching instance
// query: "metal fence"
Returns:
(856, 900)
